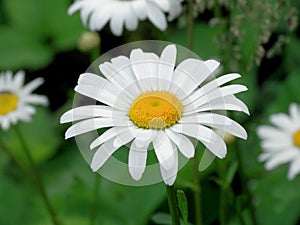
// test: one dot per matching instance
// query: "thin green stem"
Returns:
(14, 159)
(245, 186)
(173, 205)
(37, 179)
(94, 205)
(197, 191)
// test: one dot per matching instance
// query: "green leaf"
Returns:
(183, 206)
(19, 50)
(37, 31)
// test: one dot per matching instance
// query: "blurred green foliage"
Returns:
(33, 31)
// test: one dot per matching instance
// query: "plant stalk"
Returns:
(37, 180)
(173, 205)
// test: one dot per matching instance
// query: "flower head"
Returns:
(16, 98)
(145, 100)
(281, 142)
(126, 13)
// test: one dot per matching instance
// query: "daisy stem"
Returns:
(94, 206)
(37, 179)
(13, 158)
(197, 191)
(173, 205)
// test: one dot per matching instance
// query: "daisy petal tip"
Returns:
(136, 175)
(212, 64)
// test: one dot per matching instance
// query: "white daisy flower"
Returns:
(147, 100)
(281, 144)
(126, 13)
(16, 98)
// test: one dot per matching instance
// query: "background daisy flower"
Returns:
(147, 100)
(281, 142)
(16, 98)
(96, 13)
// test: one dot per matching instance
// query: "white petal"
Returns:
(212, 64)
(75, 7)
(88, 111)
(117, 19)
(229, 102)
(137, 159)
(131, 20)
(276, 145)
(280, 158)
(217, 93)
(100, 89)
(93, 124)
(139, 8)
(145, 67)
(31, 86)
(107, 135)
(283, 121)
(294, 168)
(188, 75)
(175, 10)
(144, 137)
(19, 79)
(163, 4)
(217, 121)
(85, 112)
(164, 150)
(184, 144)
(156, 16)
(211, 86)
(166, 67)
(208, 137)
(100, 16)
(125, 137)
(36, 99)
(268, 132)
(169, 175)
(295, 113)
(120, 74)
(102, 154)
(5, 124)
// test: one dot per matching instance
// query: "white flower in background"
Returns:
(281, 142)
(96, 13)
(147, 100)
(16, 98)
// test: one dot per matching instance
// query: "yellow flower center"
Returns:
(8, 102)
(297, 138)
(155, 110)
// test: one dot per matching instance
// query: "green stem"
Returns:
(173, 205)
(37, 179)
(197, 191)
(14, 159)
(245, 186)
(94, 206)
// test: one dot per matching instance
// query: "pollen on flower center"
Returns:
(155, 110)
(8, 102)
(296, 138)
